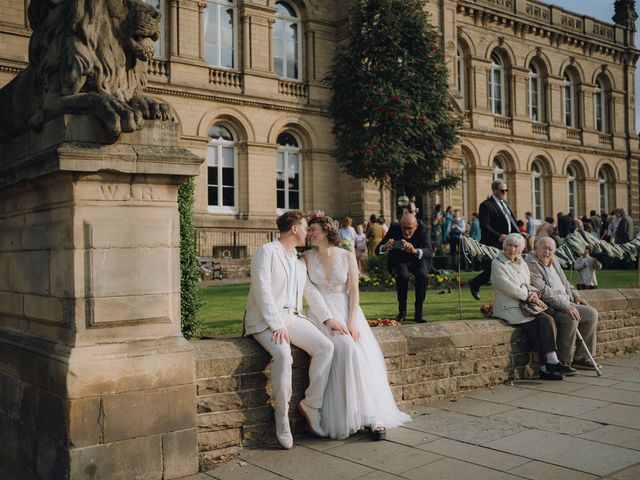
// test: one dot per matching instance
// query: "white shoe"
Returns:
(283, 432)
(312, 416)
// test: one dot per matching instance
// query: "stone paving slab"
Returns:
(566, 451)
(547, 421)
(535, 470)
(474, 454)
(614, 435)
(610, 394)
(452, 469)
(632, 473)
(500, 393)
(472, 406)
(384, 456)
(622, 415)
(557, 403)
(633, 386)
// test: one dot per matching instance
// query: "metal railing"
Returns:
(226, 243)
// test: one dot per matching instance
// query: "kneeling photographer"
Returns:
(408, 250)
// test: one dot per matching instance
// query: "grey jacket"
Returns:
(540, 280)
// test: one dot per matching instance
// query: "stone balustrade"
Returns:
(423, 362)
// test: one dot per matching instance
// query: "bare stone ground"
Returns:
(585, 427)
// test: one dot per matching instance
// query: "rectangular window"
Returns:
(287, 180)
(534, 107)
(219, 36)
(568, 106)
(599, 112)
(221, 177)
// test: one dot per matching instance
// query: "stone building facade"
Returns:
(547, 96)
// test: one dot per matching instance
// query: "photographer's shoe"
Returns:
(401, 317)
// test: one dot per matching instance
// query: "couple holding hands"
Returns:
(348, 388)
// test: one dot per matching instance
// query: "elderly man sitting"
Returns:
(567, 307)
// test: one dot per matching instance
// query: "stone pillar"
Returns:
(96, 380)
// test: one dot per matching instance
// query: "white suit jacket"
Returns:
(268, 291)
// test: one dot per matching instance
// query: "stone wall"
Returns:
(423, 362)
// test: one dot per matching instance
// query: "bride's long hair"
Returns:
(327, 225)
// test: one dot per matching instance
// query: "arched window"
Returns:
(599, 106)
(535, 94)
(537, 191)
(498, 169)
(496, 85)
(604, 184)
(159, 5)
(221, 169)
(220, 33)
(460, 76)
(572, 189)
(568, 100)
(286, 42)
(288, 190)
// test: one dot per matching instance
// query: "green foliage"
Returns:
(190, 293)
(390, 103)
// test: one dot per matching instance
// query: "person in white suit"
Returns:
(273, 316)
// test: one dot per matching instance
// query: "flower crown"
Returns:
(320, 217)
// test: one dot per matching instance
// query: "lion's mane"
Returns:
(76, 46)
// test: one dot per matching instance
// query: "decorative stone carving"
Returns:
(85, 57)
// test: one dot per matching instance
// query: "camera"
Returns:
(397, 245)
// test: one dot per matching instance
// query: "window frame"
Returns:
(288, 20)
(534, 77)
(568, 82)
(499, 172)
(496, 69)
(219, 144)
(461, 75)
(572, 179)
(220, 5)
(286, 150)
(599, 105)
(604, 184)
(537, 178)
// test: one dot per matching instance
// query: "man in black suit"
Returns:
(496, 222)
(566, 224)
(408, 248)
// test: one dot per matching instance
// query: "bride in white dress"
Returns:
(358, 393)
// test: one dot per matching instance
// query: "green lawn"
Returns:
(225, 304)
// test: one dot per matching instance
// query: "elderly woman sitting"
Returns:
(568, 308)
(511, 282)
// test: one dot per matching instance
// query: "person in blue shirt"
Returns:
(474, 232)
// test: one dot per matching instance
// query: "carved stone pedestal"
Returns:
(96, 381)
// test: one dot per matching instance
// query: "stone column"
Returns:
(96, 380)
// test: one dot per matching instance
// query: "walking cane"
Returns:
(595, 364)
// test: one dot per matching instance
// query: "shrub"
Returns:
(190, 294)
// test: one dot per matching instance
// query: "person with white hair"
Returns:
(511, 281)
(567, 307)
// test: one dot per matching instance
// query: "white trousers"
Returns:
(305, 335)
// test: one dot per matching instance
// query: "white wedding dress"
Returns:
(358, 392)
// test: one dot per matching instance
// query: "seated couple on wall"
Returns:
(348, 387)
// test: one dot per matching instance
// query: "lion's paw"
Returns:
(151, 108)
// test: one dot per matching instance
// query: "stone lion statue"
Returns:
(85, 57)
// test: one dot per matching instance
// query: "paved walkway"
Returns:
(583, 427)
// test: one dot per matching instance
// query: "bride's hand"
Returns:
(353, 330)
(332, 324)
